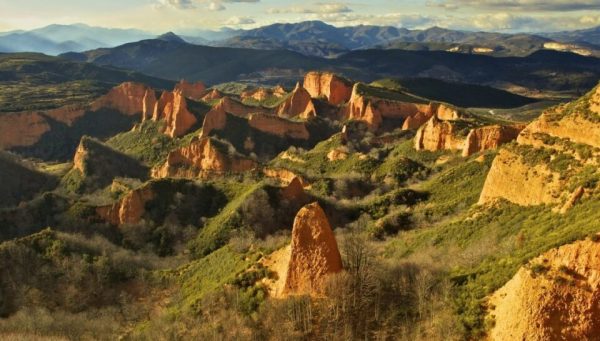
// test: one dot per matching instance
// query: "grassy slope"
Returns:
(30, 81)
(19, 181)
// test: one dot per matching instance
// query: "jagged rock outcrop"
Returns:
(373, 110)
(261, 94)
(194, 91)
(294, 191)
(213, 95)
(202, 157)
(336, 89)
(298, 104)
(128, 210)
(148, 104)
(172, 109)
(550, 155)
(281, 127)
(489, 137)
(314, 252)
(285, 176)
(438, 135)
(555, 297)
(127, 98)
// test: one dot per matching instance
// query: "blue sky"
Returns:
(185, 15)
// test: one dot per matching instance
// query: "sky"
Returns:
(184, 16)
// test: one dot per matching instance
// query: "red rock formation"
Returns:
(438, 135)
(562, 302)
(215, 119)
(278, 126)
(128, 210)
(314, 253)
(127, 98)
(21, 129)
(212, 95)
(202, 157)
(172, 108)
(490, 137)
(261, 94)
(148, 104)
(294, 191)
(326, 84)
(194, 91)
(284, 175)
(298, 104)
(373, 110)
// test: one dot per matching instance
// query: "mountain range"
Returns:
(312, 38)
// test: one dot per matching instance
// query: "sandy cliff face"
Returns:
(172, 108)
(278, 126)
(285, 176)
(194, 91)
(490, 137)
(298, 104)
(326, 84)
(202, 157)
(314, 252)
(552, 152)
(509, 175)
(128, 210)
(559, 301)
(438, 135)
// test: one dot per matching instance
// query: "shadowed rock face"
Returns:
(278, 126)
(326, 84)
(298, 104)
(172, 108)
(560, 302)
(128, 210)
(314, 252)
(202, 157)
(191, 90)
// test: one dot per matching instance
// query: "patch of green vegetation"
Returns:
(20, 181)
(146, 143)
(31, 81)
(99, 165)
(492, 244)
(217, 230)
(454, 189)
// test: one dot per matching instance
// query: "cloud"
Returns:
(178, 4)
(215, 6)
(324, 8)
(519, 5)
(239, 21)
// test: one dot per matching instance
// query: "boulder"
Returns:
(555, 297)
(336, 89)
(314, 252)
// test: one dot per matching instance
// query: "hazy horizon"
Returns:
(182, 16)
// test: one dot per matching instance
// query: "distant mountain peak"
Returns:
(171, 37)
